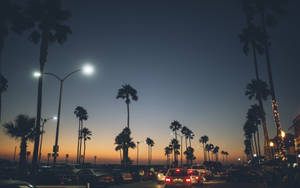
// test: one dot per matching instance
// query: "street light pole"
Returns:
(56, 147)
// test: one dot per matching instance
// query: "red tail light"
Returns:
(190, 171)
(177, 170)
(188, 180)
(168, 180)
(197, 177)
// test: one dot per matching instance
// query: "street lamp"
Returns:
(87, 70)
(282, 134)
(44, 121)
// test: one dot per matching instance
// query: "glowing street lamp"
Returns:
(271, 144)
(87, 70)
(282, 134)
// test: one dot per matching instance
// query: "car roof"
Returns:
(13, 182)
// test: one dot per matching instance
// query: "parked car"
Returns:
(195, 176)
(57, 176)
(161, 176)
(122, 176)
(15, 184)
(96, 177)
(177, 177)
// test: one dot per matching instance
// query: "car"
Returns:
(161, 176)
(177, 177)
(57, 176)
(96, 177)
(195, 176)
(15, 184)
(205, 173)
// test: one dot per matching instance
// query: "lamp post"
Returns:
(87, 69)
(44, 121)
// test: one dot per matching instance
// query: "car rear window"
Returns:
(177, 173)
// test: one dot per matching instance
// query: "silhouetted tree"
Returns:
(203, 140)
(150, 144)
(190, 155)
(168, 151)
(48, 19)
(127, 93)
(86, 135)
(209, 148)
(215, 151)
(124, 142)
(176, 147)
(21, 129)
(175, 126)
(82, 115)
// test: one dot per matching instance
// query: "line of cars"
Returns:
(183, 177)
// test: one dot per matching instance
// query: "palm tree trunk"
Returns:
(204, 156)
(208, 156)
(127, 114)
(148, 155)
(258, 141)
(43, 60)
(77, 159)
(84, 147)
(269, 69)
(255, 143)
(80, 140)
(22, 161)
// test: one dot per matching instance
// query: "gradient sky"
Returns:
(183, 57)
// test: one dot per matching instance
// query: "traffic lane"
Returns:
(210, 184)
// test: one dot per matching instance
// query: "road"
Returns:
(211, 184)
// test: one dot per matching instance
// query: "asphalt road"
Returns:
(211, 184)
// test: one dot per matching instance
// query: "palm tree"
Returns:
(190, 136)
(48, 19)
(82, 115)
(124, 142)
(168, 151)
(250, 130)
(128, 93)
(67, 157)
(226, 154)
(190, 155)
(223, 153)
(21, 129)
(175, 126)
(185, 132)
(215, 151)
(267, 11)
(86, 133)
(208, 148)
(150, 144)
(176, 147)
(48, 158)
(203, 140)
(253, 36)
(259, 90)
(254, 115)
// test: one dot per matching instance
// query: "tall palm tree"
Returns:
(185, 132)
(168, 151)
(86, 135)
(259, 90)
(190, 155)
(250, 130)
(176, 147)
(223, 153)
(254, 115)
(190, 136)
(203, 140)
(252, 37)
(82, 115)
(215, 151)
(21, 129)
(127, 93)
(124, 142)
(47, 17)
(150, 144)
(209, 148)
(175, 126)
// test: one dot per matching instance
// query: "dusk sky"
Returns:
(183, 57)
